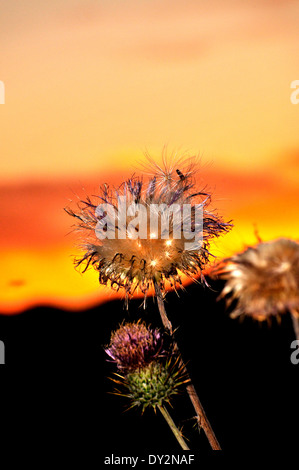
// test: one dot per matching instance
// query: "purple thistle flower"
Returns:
(134, 345)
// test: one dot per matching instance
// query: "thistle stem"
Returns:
(201, 415)
(173, 427)
(295, 320)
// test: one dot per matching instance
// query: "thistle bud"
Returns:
(154, 384)
(150, 372)
(134, 345)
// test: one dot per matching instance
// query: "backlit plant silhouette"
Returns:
(149, 375)
(136, 257)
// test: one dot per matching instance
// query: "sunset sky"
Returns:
(91, 85)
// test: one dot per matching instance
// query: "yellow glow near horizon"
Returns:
(90, 86)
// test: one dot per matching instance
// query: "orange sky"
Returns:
(90, 85)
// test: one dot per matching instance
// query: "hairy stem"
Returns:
(173, 427)
(201, 415)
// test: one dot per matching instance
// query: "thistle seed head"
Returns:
(138, 260)
(264, 280)
(134, 345)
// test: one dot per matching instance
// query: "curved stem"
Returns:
(201, 415)
(173, 427)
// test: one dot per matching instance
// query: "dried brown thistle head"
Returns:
(130, 253)
(264, 279)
